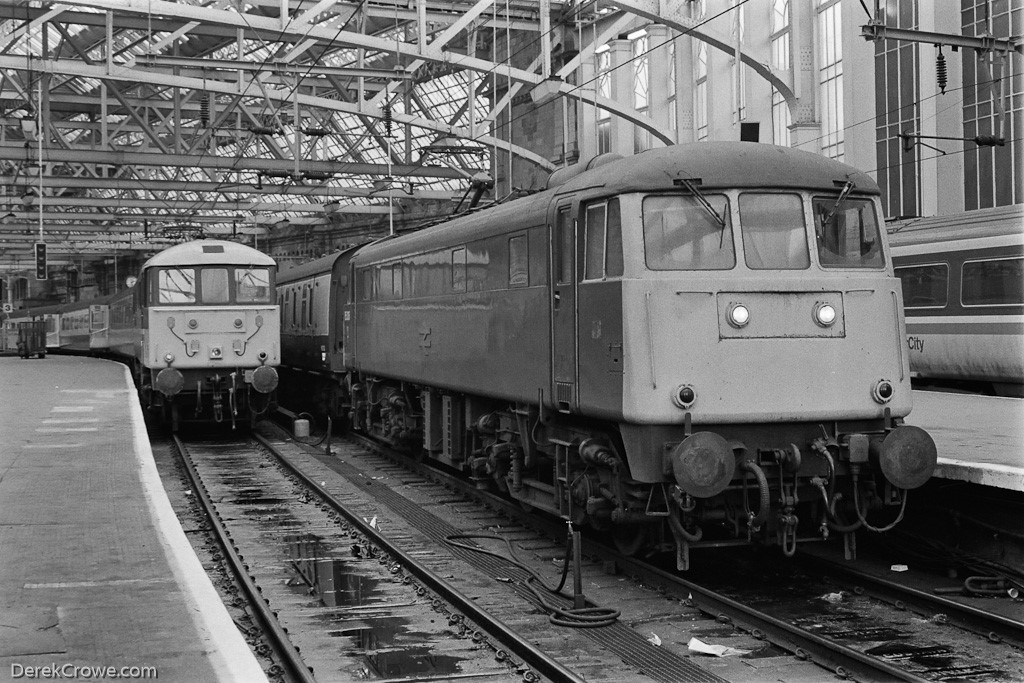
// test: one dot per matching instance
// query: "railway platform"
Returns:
(97, 578)
(980, 439)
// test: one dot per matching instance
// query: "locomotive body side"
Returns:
(450, 308)
(964, 298)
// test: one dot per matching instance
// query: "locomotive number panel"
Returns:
(771, 315)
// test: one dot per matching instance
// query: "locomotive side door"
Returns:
(563, 308)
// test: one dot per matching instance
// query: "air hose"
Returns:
(860, 513)
(581, 617)
(762, 484)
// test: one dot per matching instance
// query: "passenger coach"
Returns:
(963, 290)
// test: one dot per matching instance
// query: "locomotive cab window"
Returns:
(847, 233)
(774, 232)
(175, 286)
(683, 233)
(603, 238)
(252, 285)
(924, 286)
(213, 285)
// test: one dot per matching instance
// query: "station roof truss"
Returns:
(132, 123)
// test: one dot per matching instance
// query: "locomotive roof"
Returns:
(720, 165)
(993, 222)
(716, 164)
(324, 264)
(209, 252)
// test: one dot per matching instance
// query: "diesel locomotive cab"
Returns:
(211, 335)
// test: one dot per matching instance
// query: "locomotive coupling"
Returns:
(703, 464)
(907, 456)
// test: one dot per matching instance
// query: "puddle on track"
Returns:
(380, 645)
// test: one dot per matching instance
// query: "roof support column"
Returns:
(805, 130)
(622, 92)
(659, 88)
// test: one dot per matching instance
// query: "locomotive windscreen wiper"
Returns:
(839, 201)
(703, 201)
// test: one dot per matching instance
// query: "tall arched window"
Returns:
(700, 92)
(830, 77)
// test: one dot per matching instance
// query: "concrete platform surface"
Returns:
(95, 570)
(980, 439)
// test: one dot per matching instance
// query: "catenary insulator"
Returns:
(387, 120)
(940, 70)
(204, 110)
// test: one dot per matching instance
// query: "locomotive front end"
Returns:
(768, 367)
(211, 338)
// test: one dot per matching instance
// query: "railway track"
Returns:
(237, 484)
(805, 638)
(294, 668)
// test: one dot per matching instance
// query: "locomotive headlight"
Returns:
(883, 391)
(737, 315)
(824, 314)
(193, 324)
(238, 322)
(168, 358)
(216, 352)
(684, 396)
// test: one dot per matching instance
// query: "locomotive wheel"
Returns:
(629, 539)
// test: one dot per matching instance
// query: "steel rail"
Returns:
(530, 654)
(826, 653)
(1003, 626)
(289, 655)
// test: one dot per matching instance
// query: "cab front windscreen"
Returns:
(211, 285)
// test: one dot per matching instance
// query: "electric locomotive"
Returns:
(203, 330)
(698, 345)
(963, 289)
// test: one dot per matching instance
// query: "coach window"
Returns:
(999, 282)
(252, 285)
(459, 270)
(214, 285)
(924, 286)
(176, 286)
(847, 233)
(774, 233)
(681, 232)
(518, 261)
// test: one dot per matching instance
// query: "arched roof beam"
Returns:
(672, 13)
